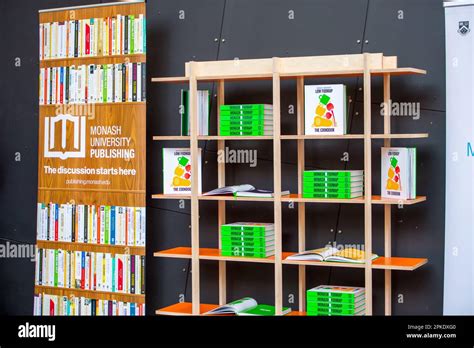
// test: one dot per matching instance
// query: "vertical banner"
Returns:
(91, 216)
(459, 242)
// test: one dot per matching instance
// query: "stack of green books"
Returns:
(333, 183)
(249, 239)
(246, 119)
(331, 300)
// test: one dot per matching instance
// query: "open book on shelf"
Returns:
(331, 254)
(244, 190)
(247, 306)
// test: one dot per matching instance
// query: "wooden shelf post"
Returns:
(221, 204)
(387, 207)
(301, 205)
(367, 185)
(194, 190)
(277, 187)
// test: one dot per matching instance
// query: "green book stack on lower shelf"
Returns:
(342, 184)
(333, 300)
(248, 239)
(246, 120)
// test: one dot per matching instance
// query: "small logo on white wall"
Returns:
(464, 28)
(50, 137)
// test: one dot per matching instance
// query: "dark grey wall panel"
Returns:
(413, 30)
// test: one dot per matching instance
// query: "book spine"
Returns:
(142, 269)
(143, 91)
(132, 274)
(83, 269)
(126, 51)
(112, 225)
(132, 34)
(134, 82)
(87, 39)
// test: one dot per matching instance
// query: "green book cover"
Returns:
(238, 248)
(132, 34)
(259, 132)
(332, 173)
(261, 107)
(246, 234)
(246, 254)
(246, 123)
(248, 226)
(247, 113)
(244, 128)
(257, 242)
(334, 190)
(332, 184)
(264, 310)
(55, 267)
(332, 195)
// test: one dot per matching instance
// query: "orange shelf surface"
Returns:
(185, 308)
(295, 197)
(212, 254)
(212, 198)
(390, 263)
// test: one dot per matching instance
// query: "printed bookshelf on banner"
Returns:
(93, 37)
(96, 224)
(52, 305)
(117, 273)
(106, 83)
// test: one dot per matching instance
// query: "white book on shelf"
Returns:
(398, 174)
(177, 171)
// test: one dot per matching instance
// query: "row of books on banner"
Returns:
(323, 300)
(398, 178)
(101, 224)
(53, 305)
(93, 37)
(106, 83)
(119, 273)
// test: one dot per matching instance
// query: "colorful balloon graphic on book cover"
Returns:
(324, 113)
(182, 173)
(393, 181)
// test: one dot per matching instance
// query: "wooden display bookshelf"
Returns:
(364, 65)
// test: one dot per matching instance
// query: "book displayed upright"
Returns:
(177, 171)
(398, 172)
(325, 109)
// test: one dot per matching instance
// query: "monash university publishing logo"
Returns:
(65, 147)
(464, 27)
